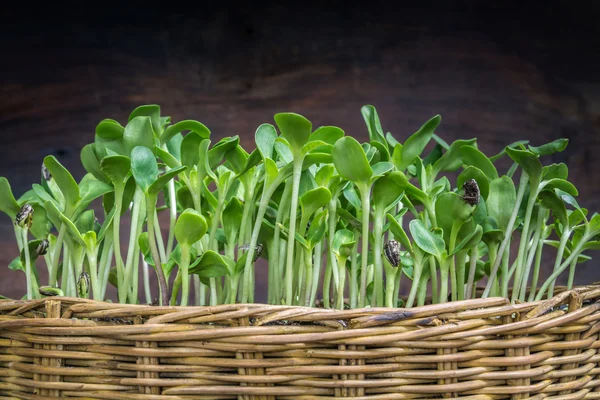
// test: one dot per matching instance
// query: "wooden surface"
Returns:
(499, 73)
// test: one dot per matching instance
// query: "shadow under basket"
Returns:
(475, 349)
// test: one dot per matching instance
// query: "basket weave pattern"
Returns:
(474, 349)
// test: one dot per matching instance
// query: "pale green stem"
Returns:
(213, 292)
(507, 236)
(185, 277)
(93, 267)
(555, 274)
(172, 212)
(275, 266)
(122, 290)
(524, 241)
(289, 264)
(536, 269)
(64, 284)
(341, 264)
(331, 221)
(316, 273)
(200, 290)
(162, 282)
(444, 282)
(452, 244)
(27, 263)
(146, 277)
(176, 288)
(56, 255)
(472, 268)
(105, 262)
(353, 274)
(389, 288)
(416, 284)
(134, 233)
(531, 253)
(461, 259)
(308, 267)
(422, 292)
(397, 281)
(159, 239)
(564, 239)
(365, 199)
(327, 285)
(571, 274)
(434, 281)
(377, 260)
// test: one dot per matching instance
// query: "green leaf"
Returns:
(472, 172)
(388, 189)
(162, 180)
(109, 129)
(64, 180)
(143, 167)
(371, 118)
(501, 200)
(85, 222)
(169, 160)
(552, 171)
(90, 162)
(174, 146)
(343, 242)
(204, 168)
(116, 168)
(190, 146)
(414, 193)
(563, 185)
(271, 172)
(426, 240)
(220, 149)
(213, 265)
(494, 158)
(380, 169)
(555, 146)
(151, 111)
(232, 218)
(451, 160)
(316, 158)
(469, 241)
(294, 128)
(473, 157)
(317, 229)
(314, 199)
(324, 175)
(190, 227)
(399, 232)
(551, 201)
(138, 132)
(265, 137)
(8, 204)
(187, 125)
(72, 229)
(528, 161)
(350, 160)
(416, 143)
(327, 134)
(90, 189)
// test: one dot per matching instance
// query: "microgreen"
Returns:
(374, 211)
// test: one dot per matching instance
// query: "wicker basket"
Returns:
(475, 349)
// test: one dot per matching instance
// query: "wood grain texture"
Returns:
(499, 73)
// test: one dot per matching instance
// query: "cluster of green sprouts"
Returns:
(339, 222)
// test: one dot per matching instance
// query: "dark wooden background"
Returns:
(501, 72)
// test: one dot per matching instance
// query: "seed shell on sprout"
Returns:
(25, 216)
(472, 194)
(42, 248)
(391, 249)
